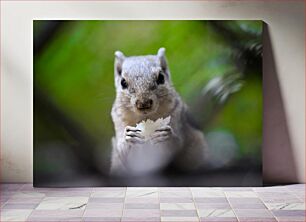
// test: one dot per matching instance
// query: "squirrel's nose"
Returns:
(144, 104)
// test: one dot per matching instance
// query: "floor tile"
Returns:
(224, 205)
(296, 187)
(56, 213)
(174, 189)
(106, 200)
(281, 200)
(177, 206)
(62, 203)
(291, 219)
(244, 200)
(27, 186)
(175, 194)
(141, 192)
(207, 192)
(176, 200)
(10, 187)
(274, 197)
(253, 213)
(252, 219)
(206, 188)
(54, 219)
(25, 194)
(299, 194)
(140, 189)
(210, 200)
(91, 205)
(240, 194)
(285, 206)
(20, 206)
(178, 213)
(116, 193)
(14, 214)
(216, 213)
(109, 189)
(279, 189)
(141, 206)
(142, 213)
(142, 200)
(248, 206)
(179, 219)
(140, 219)
(101, 219)
(289, 213)
(67, 193)
(103, 213)
(237, 189)
(30, 200)
(218, 219)
(3, 200)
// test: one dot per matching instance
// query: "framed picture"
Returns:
(147, 103)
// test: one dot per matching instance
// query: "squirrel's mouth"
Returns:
(145, 110)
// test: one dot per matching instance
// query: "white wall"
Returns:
(286, 22)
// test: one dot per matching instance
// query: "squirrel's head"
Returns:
(143, 82)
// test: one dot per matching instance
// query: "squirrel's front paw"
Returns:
(133, 135)
(162, 134)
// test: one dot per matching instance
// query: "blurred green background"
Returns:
(215, 66)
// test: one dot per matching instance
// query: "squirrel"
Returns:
(144, 91)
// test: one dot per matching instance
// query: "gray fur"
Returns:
(179, 144)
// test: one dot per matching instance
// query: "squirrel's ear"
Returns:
(119, 58)
(162, 59)
(161, 52)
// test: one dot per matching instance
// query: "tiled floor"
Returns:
(22, 202)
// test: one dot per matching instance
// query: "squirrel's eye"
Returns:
(160, 79)
(124, 84)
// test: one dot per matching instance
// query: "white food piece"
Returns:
(148, 126)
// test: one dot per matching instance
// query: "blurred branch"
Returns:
(246, 47)
(247, 57)
(85, 144)
(215, 95)
(54, 115)
(44, 36)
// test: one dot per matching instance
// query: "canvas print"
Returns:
(147, 103)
